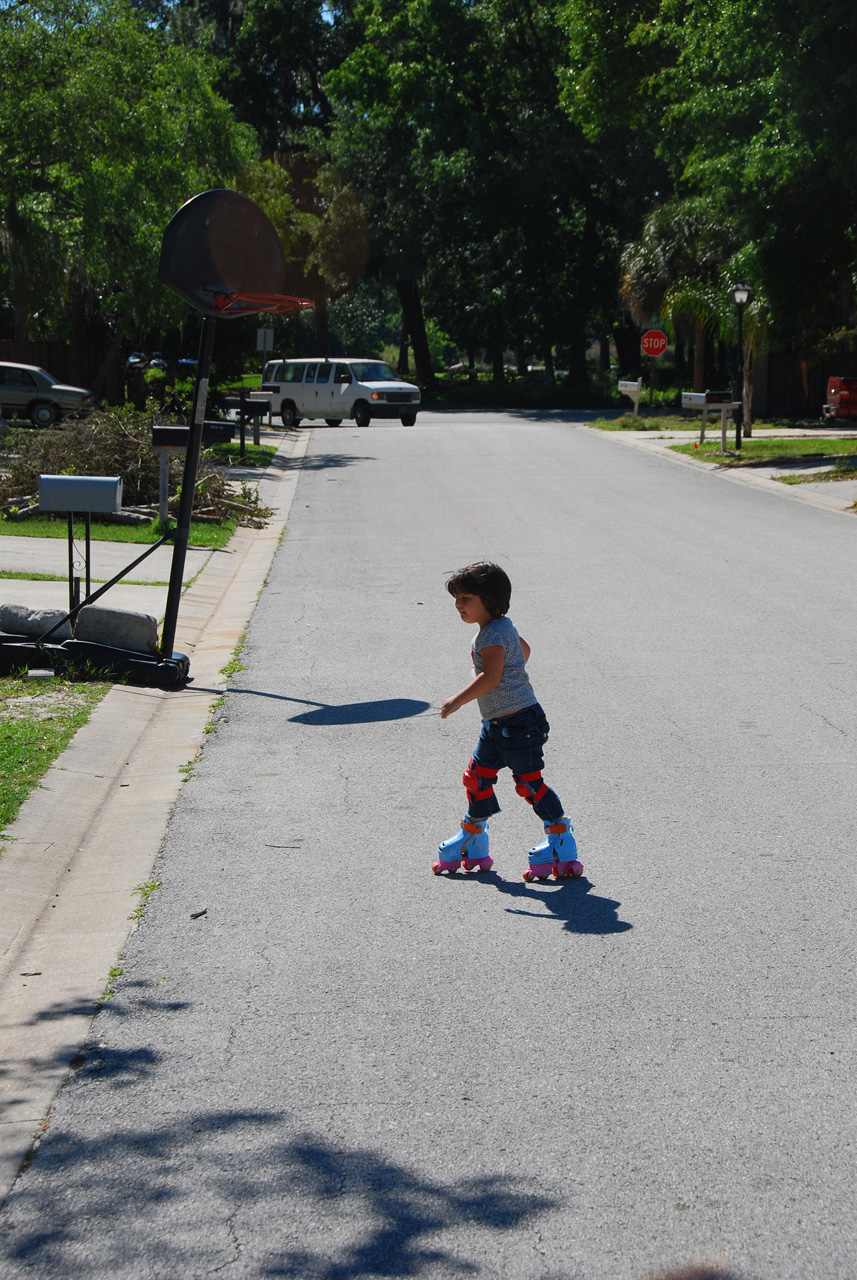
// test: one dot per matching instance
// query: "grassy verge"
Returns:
(664, 422)
(38, 719)
(845, 469)
(770, 449)
(255, 455)
(201, 535)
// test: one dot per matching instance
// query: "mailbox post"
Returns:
(706, 400)
(633, 390)
(82, 495)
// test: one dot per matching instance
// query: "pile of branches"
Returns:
(117, 442)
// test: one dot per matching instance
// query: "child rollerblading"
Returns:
(514, 731)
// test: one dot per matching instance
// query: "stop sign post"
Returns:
(654, 343)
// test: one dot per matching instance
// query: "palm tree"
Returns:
(673, 270)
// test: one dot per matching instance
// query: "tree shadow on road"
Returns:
(317, 462)
(294, 1205)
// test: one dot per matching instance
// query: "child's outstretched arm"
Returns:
(493, 661)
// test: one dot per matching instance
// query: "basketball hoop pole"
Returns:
(181, 535)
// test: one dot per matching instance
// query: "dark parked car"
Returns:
(26, 391)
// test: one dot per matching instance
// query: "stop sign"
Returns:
(654, 342)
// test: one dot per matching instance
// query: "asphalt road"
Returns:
(348, 1067)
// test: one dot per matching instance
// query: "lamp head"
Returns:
(741, 293)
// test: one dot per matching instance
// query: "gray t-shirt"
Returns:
(514, 692)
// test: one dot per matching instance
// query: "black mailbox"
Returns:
(176, 437)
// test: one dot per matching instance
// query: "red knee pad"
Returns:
(471, 777)
(531, 794)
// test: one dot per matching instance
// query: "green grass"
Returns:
(19, 575)
(628, 422)
(771, 449)
(845, 469)
(255, 455)
(33, 734)
(201, 535)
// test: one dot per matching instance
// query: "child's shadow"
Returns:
(567, 900)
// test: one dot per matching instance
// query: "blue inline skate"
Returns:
(557, 855)
(468, 847)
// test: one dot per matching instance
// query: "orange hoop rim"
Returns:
(253, 303)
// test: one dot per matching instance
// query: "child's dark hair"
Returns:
(487, 581)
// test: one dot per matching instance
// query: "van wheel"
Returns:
(361, 414)
(43, 415)
(289, 414)
(333, 422)
(409, 419)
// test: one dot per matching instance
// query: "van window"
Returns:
(310, 373)
(323, 374)
(374, 371)
(292, 373)
(342, 374)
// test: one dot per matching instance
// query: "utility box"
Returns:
(841, 398)
(80, 493)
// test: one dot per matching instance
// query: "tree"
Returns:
(750, 104)
(105, 130)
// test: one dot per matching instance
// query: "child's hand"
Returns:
(448, 707)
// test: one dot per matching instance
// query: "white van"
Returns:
(345, 387)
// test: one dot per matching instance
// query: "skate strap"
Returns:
(530, 777)
(558, 829)
(473, 827)
(482, 772)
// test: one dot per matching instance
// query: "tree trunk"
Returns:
(699, 358)
(521, 362)
(550, 376)
(627, 338)
(604, 353)
(412, 312)
(403, 366)
(22, 337)
(110, 358)
(748, 393)
(680, 358)
(322, 328)
(498, 372)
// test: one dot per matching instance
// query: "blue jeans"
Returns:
(515, 742)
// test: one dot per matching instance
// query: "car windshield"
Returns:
(373, 371)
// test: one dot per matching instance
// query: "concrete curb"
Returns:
(92, 831)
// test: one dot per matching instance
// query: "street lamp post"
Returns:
(741, 294)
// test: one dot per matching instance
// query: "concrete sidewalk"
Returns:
(93, 828)
(834, 495)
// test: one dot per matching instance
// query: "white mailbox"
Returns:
(708, 400)
(633, 390)
(80, 493)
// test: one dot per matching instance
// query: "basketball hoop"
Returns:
(220, 253)
(240, 303)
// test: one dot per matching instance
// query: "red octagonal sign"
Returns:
(654, 343)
